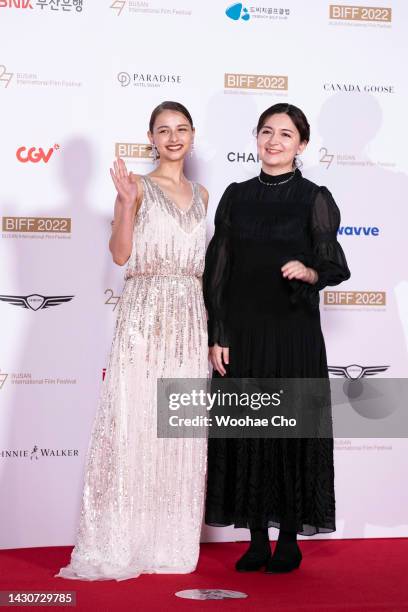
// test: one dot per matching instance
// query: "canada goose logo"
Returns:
(34, 301)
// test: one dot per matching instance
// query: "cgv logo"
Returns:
(23, 4)
(34, 155)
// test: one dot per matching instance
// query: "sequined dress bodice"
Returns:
(167, 241)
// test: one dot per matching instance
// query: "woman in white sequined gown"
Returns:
(143, 496)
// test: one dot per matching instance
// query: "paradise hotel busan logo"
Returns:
(35, 301)
(147, 79)
(37, 453)
(355, 372)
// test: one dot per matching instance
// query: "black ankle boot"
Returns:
(286, 556)
(258, 553)
(286, 562)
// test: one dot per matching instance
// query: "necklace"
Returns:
(276, 184)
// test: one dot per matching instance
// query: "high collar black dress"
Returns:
(272, 328)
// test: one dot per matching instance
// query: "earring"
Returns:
(192, 149)
(155, 153)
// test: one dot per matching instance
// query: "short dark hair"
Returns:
(172, 106)
(298, 117)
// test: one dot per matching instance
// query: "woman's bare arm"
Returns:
(127, 203)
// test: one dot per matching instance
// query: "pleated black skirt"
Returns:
(260, 483)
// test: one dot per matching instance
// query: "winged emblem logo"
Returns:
(35, 301)
(354, 371)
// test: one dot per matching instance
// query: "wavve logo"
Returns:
(237, 11)
(360, 230)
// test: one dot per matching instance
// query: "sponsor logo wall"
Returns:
(66, 115)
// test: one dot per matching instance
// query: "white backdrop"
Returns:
(78, 78)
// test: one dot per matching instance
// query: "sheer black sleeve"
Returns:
(328, 258)
(217, 272)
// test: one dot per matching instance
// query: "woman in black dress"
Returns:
(274, 247)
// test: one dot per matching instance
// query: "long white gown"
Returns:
(143, 496)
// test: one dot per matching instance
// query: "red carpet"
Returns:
(352, 575)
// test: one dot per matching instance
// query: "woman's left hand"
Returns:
(296, 269)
